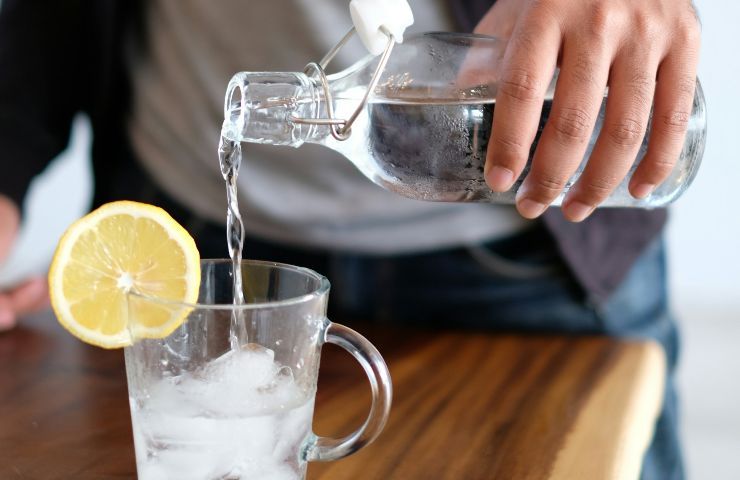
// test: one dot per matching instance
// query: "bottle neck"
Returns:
(260, 107)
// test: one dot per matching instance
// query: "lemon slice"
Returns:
(119, 248)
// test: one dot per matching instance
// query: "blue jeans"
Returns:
(515, 284)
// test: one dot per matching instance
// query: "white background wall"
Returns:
(704, 250)
(704, 242)
(705, 229)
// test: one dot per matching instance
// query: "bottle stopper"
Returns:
(371, 17)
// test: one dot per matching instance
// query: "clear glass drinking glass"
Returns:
(203, 410)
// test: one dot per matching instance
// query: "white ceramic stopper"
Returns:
(369, 15)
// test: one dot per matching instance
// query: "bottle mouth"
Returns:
(236, 113)
(259, 107)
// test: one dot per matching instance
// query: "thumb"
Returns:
(9, 224)
(30, 296)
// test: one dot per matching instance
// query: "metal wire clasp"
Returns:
(341, 128)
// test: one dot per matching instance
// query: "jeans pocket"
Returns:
(527, 255)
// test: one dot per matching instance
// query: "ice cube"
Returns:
(280, 472)
(147, 471)
(240, 416)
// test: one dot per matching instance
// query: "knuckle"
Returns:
(688, 31)
(572, 125)
(520, 84)
(675, 122)
(644, 26)
(659, 167)
(693, 14)
(663, 164)
(599, 21)
(626, 132)
(524, 40)
(597, 188)
(547, 186)
(540, 12)
(543, 4)
(507, 146)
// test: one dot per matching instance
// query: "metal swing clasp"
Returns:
(341, 128)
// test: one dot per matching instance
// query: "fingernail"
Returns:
(643, 190)
(529, 208)
(577, 211)
(499, 178)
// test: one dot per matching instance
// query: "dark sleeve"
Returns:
(42, 75)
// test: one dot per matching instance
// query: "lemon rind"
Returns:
(62, 258)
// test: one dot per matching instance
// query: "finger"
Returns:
(527, 70)
(476, 69)
(7, 316)
(580, 89)
(30, 296)
(674, 98)
(500, 20)
(482, 57)
(631, 88)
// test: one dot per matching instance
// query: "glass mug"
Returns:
(202, 409)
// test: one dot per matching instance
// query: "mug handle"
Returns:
(324, 449)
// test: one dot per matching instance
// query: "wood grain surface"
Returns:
(466, 406)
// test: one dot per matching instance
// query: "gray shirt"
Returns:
(309, 196)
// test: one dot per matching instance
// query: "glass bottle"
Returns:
(423, 129)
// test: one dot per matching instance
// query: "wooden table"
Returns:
(466, 406)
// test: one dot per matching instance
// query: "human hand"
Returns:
(31, 294)
(646, 52)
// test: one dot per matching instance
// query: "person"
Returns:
(151, 76)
